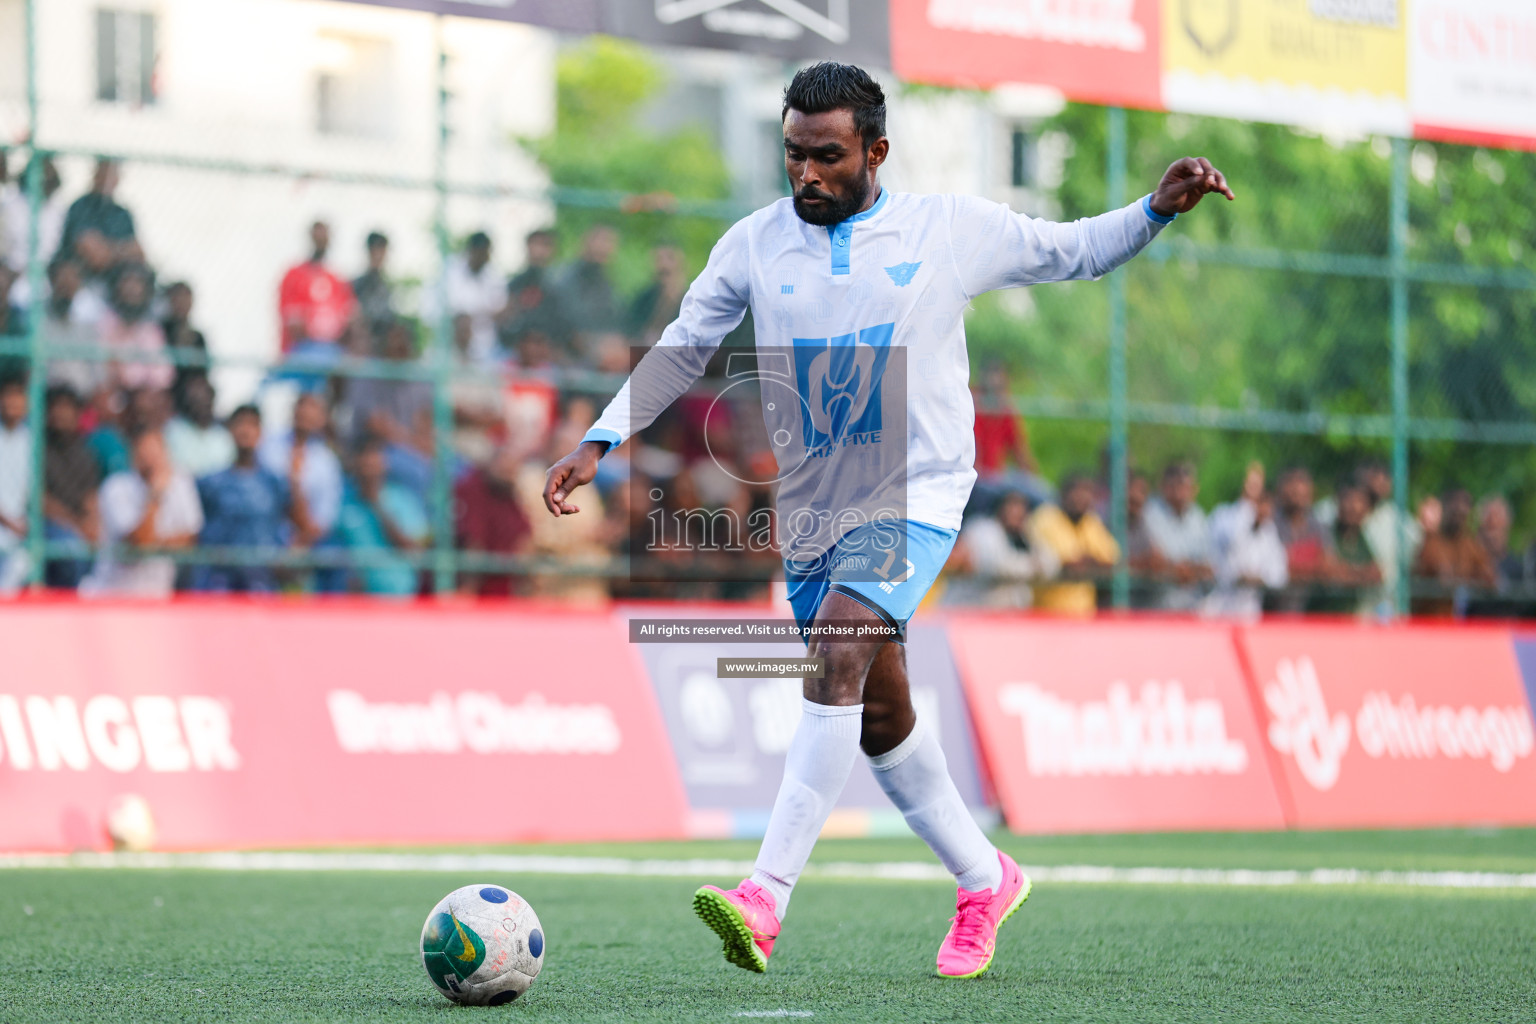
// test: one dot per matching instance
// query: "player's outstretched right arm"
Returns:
(714, 305)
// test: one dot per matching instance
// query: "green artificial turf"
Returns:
(193, 945)
(1501, 850)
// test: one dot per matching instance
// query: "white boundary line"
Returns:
(513, 864)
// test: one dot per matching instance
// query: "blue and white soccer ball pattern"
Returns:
(482, 945)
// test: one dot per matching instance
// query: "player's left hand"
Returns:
(1184, 183)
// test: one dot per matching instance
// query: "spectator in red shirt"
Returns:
(1001, 437)
(490, 519)
(1309, 548)
(315, 305)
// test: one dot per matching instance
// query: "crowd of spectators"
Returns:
(1274, 547)
(147, 488)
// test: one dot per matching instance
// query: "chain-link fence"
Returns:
(319, 343)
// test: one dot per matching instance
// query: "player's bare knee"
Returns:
(844, 668)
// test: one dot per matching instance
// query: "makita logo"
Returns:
(1301, 725)
(1158, 731)
(839, 379)
(120, 734)
(479, 723)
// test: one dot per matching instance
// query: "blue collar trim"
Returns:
(880, 202)
(840, 235)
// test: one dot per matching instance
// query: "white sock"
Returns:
(915, 775)
(821, 755)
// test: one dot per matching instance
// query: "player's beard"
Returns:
(834, 210)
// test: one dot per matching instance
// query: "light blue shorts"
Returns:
(885, 566)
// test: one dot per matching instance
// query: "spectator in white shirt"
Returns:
(198, 442)
(16, 224)
(152, 505)
(1179, 532)
(71, 319)
(15, 483)
(477, 291)
(1250, 557)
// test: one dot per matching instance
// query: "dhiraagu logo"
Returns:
(840, 379)
(451, 951)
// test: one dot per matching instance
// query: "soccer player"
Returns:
(858, 296)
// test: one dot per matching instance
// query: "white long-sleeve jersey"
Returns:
(860, 348)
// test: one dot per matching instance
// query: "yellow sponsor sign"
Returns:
(1349, 45)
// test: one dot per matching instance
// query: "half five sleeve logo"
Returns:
(902, 273)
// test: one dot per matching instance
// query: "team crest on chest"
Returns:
(902, 273)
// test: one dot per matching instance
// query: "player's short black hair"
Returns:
(376, 239)
(478, 240)
(832, 86)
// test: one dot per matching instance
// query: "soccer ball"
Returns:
(482, 945)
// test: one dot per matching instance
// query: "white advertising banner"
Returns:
(1472, 71)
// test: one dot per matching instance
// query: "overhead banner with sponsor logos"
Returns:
(855, 31)
(1472, 71)
(1115, 726)
(1396, 727)
(1331, 64)
(245, 725)
(1101, 52)
(1460, 70)
(568, 15)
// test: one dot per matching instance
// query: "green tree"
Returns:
(1291, 338)
(606, 168)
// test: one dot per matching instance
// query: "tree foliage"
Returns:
(600, 145)
(1214, 334)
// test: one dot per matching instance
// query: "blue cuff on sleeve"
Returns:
(1146, 204)
(610, 437)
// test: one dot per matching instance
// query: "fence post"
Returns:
(442, 349)
(1118, 427)
(37, 366)
(1399, 261)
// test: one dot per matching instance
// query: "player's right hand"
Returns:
(569, 473)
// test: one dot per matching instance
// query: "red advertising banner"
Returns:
(1115, 725)
(1107, 52)
(1401, 727)
(263, 725)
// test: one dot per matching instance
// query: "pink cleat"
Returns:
(744, 919)
(967, 949)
